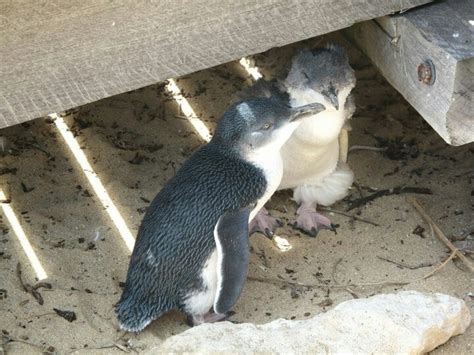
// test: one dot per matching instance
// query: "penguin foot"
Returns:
(209, 317)
(310, 222)
(264, 223)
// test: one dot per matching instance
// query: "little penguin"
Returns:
(314, 158)
(192, 249)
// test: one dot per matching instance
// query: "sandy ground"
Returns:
(137, 140)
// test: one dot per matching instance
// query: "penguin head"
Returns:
(322, 75)
(260, 123)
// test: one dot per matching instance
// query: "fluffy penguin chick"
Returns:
(311, 157)
(192, 250)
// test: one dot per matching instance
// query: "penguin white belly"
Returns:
(311, 155)
(324, 127)
(307, 164)
(316, 175)
(200, 302)
(321, 129)
(272, 166)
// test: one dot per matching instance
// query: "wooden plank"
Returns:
(443, 33)
(60, 54)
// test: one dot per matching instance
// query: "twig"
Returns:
(42, 315)
(27, 287)
(114, 344)
(62, 289)
(107, 346)
(334, 270)
(366, 147)
(327, 209)
(352, 292)
(387, 192)
(341, 286)
(8, 339)
(333, 276)
(359, 189)
(183, 117)
(361, 195)
(442, 265)
(348, 286)
(405, 265)
(439, 233)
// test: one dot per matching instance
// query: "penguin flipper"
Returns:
(231, 235)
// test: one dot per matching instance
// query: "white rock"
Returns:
(408, 322)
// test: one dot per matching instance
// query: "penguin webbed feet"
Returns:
(193, 320)
(310, 221)
(264, 223)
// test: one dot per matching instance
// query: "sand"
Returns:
(137, 140)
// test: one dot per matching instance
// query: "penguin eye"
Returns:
(267, 126)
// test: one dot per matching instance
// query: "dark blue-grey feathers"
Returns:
(176, 235)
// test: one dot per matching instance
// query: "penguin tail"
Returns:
(134, 317)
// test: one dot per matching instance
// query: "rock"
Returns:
(408, 322)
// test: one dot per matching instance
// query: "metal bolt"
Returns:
(427, 72)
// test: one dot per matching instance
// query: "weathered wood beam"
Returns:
(57, 54)
(441, 33)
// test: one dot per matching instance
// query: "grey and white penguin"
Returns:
(314, 158)
(192, 249)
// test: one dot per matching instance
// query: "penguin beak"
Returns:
(302, 111)
(332, 96)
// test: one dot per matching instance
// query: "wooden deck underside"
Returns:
(56, 55)
(442, 33)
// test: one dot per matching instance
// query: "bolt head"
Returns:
(426, 72)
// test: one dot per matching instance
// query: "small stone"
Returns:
(325, 303)
(281, 243)
(408, 322)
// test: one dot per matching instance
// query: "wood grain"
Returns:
(442, 33)
(57, 54)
